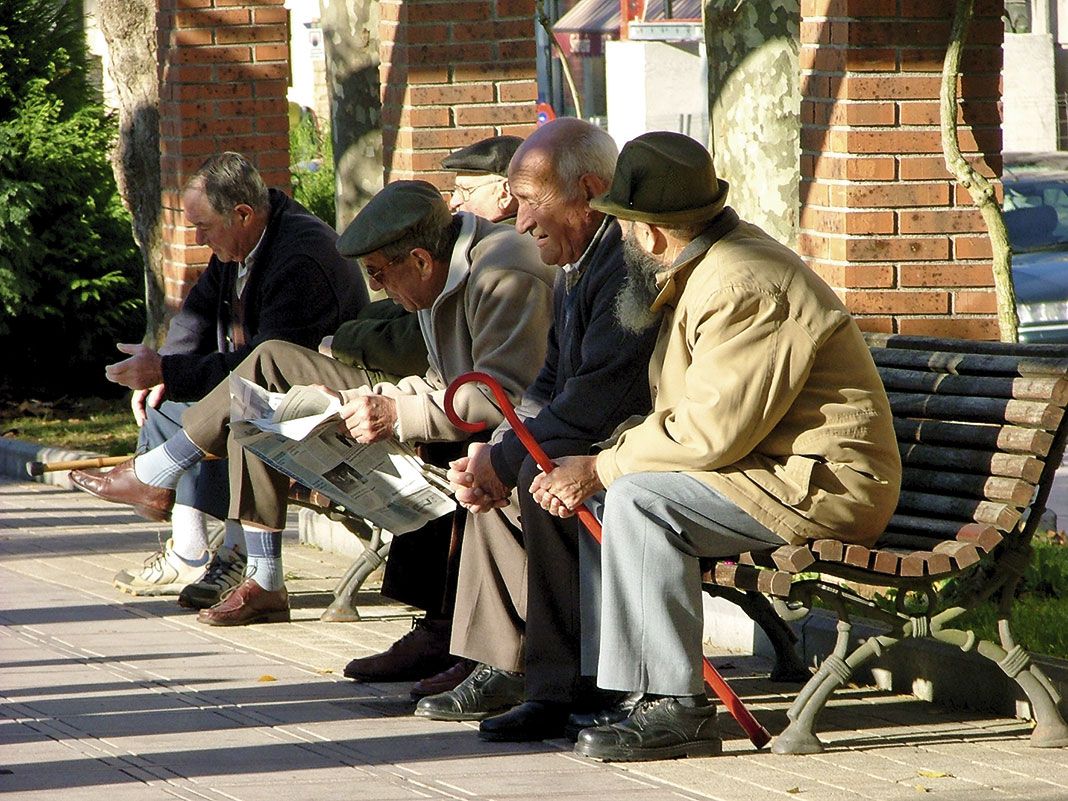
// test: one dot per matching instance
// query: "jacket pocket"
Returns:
(789, 481)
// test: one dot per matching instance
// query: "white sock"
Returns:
(235, 536)
(189, 530)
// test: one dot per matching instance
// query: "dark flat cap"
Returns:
(490, 156)
(391, 214)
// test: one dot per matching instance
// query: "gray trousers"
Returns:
(656, 527)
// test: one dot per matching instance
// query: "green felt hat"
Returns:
(390, 215)
(663, 178)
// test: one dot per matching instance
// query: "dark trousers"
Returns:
(206, 486)
(553, 609)
(422, 566)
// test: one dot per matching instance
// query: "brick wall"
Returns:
(881, 217)
(223, 71)
(452, 73)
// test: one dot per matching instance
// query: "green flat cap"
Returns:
(666, 178)
(490, 156)
(391, 214)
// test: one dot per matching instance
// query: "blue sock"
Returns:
(264, 558)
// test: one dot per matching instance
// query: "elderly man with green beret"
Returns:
(484, 302)
(770, 425)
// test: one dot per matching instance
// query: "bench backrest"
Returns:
(981, 427)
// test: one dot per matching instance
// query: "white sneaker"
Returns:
(225, 571)
(164, 573)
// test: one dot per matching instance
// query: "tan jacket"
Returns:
(764, 389)
(493, 315)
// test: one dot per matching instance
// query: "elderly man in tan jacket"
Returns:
(769, 425)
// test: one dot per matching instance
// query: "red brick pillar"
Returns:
(881, 217)
(223, 72)
(452, 73)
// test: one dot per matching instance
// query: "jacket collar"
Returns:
(673, 279)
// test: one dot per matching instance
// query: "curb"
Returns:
(15, 454)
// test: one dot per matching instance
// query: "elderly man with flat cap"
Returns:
(770, 425)
(481, 183)
(484, 303)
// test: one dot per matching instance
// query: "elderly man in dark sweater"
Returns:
(517, 609)
(274, 273)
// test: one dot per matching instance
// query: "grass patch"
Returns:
(97, 425)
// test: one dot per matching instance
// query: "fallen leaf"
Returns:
(325, 670)
(266, 677)
(921, 789)
(794, 790)
(934, 774)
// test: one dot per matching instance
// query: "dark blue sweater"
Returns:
(595, 374)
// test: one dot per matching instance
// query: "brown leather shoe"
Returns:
(248, 603)
(444, 681)
(121, 485)
(422, 651)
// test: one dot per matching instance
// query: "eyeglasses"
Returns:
(376, 274)
(465, 191)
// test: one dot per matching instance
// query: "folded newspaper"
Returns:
(297, 433)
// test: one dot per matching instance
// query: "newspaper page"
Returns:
(297, 434)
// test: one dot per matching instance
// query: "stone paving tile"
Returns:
(104, 695)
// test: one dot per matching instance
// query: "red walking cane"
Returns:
(757, 733)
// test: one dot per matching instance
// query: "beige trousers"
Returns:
(258, 494)
(491, 593)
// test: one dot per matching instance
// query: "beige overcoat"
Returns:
(764, 388)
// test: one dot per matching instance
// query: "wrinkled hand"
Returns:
(142, 399)
(369, 418)
(143, 370)
(474, 481)
(562, 491)
(326, 347)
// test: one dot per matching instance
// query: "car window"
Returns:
(1036, 215)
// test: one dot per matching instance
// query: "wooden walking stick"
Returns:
(39, 468)
(757, 734)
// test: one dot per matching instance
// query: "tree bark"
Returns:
(981, 190)
(129, 27)
(350, 36)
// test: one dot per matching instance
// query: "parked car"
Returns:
(1036, 215)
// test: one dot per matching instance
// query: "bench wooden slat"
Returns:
(984, 538)
(1007, 465)
(999, 515)
(977, 360)
(1014, 439)
(1035, 388)
(1034, 414)
(1016, 492)
(751, 579)
(963, 554)
(925, 563)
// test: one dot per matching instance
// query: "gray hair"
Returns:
(436, 233)
(591, 150)
(228, 180)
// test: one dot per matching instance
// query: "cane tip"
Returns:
(35, 468)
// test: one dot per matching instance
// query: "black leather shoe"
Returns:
(657, 729)
(485, 692)
(607, 714)
(531, 720)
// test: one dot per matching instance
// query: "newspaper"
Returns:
(297, 434)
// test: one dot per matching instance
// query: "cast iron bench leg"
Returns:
(343, 608)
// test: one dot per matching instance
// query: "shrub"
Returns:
(311, 157)
(70, 273)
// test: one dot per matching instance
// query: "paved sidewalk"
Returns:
(106, 696)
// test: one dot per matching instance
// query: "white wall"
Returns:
(656, 86)
(1029, 98)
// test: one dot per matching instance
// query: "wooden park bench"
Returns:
(981, 427)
